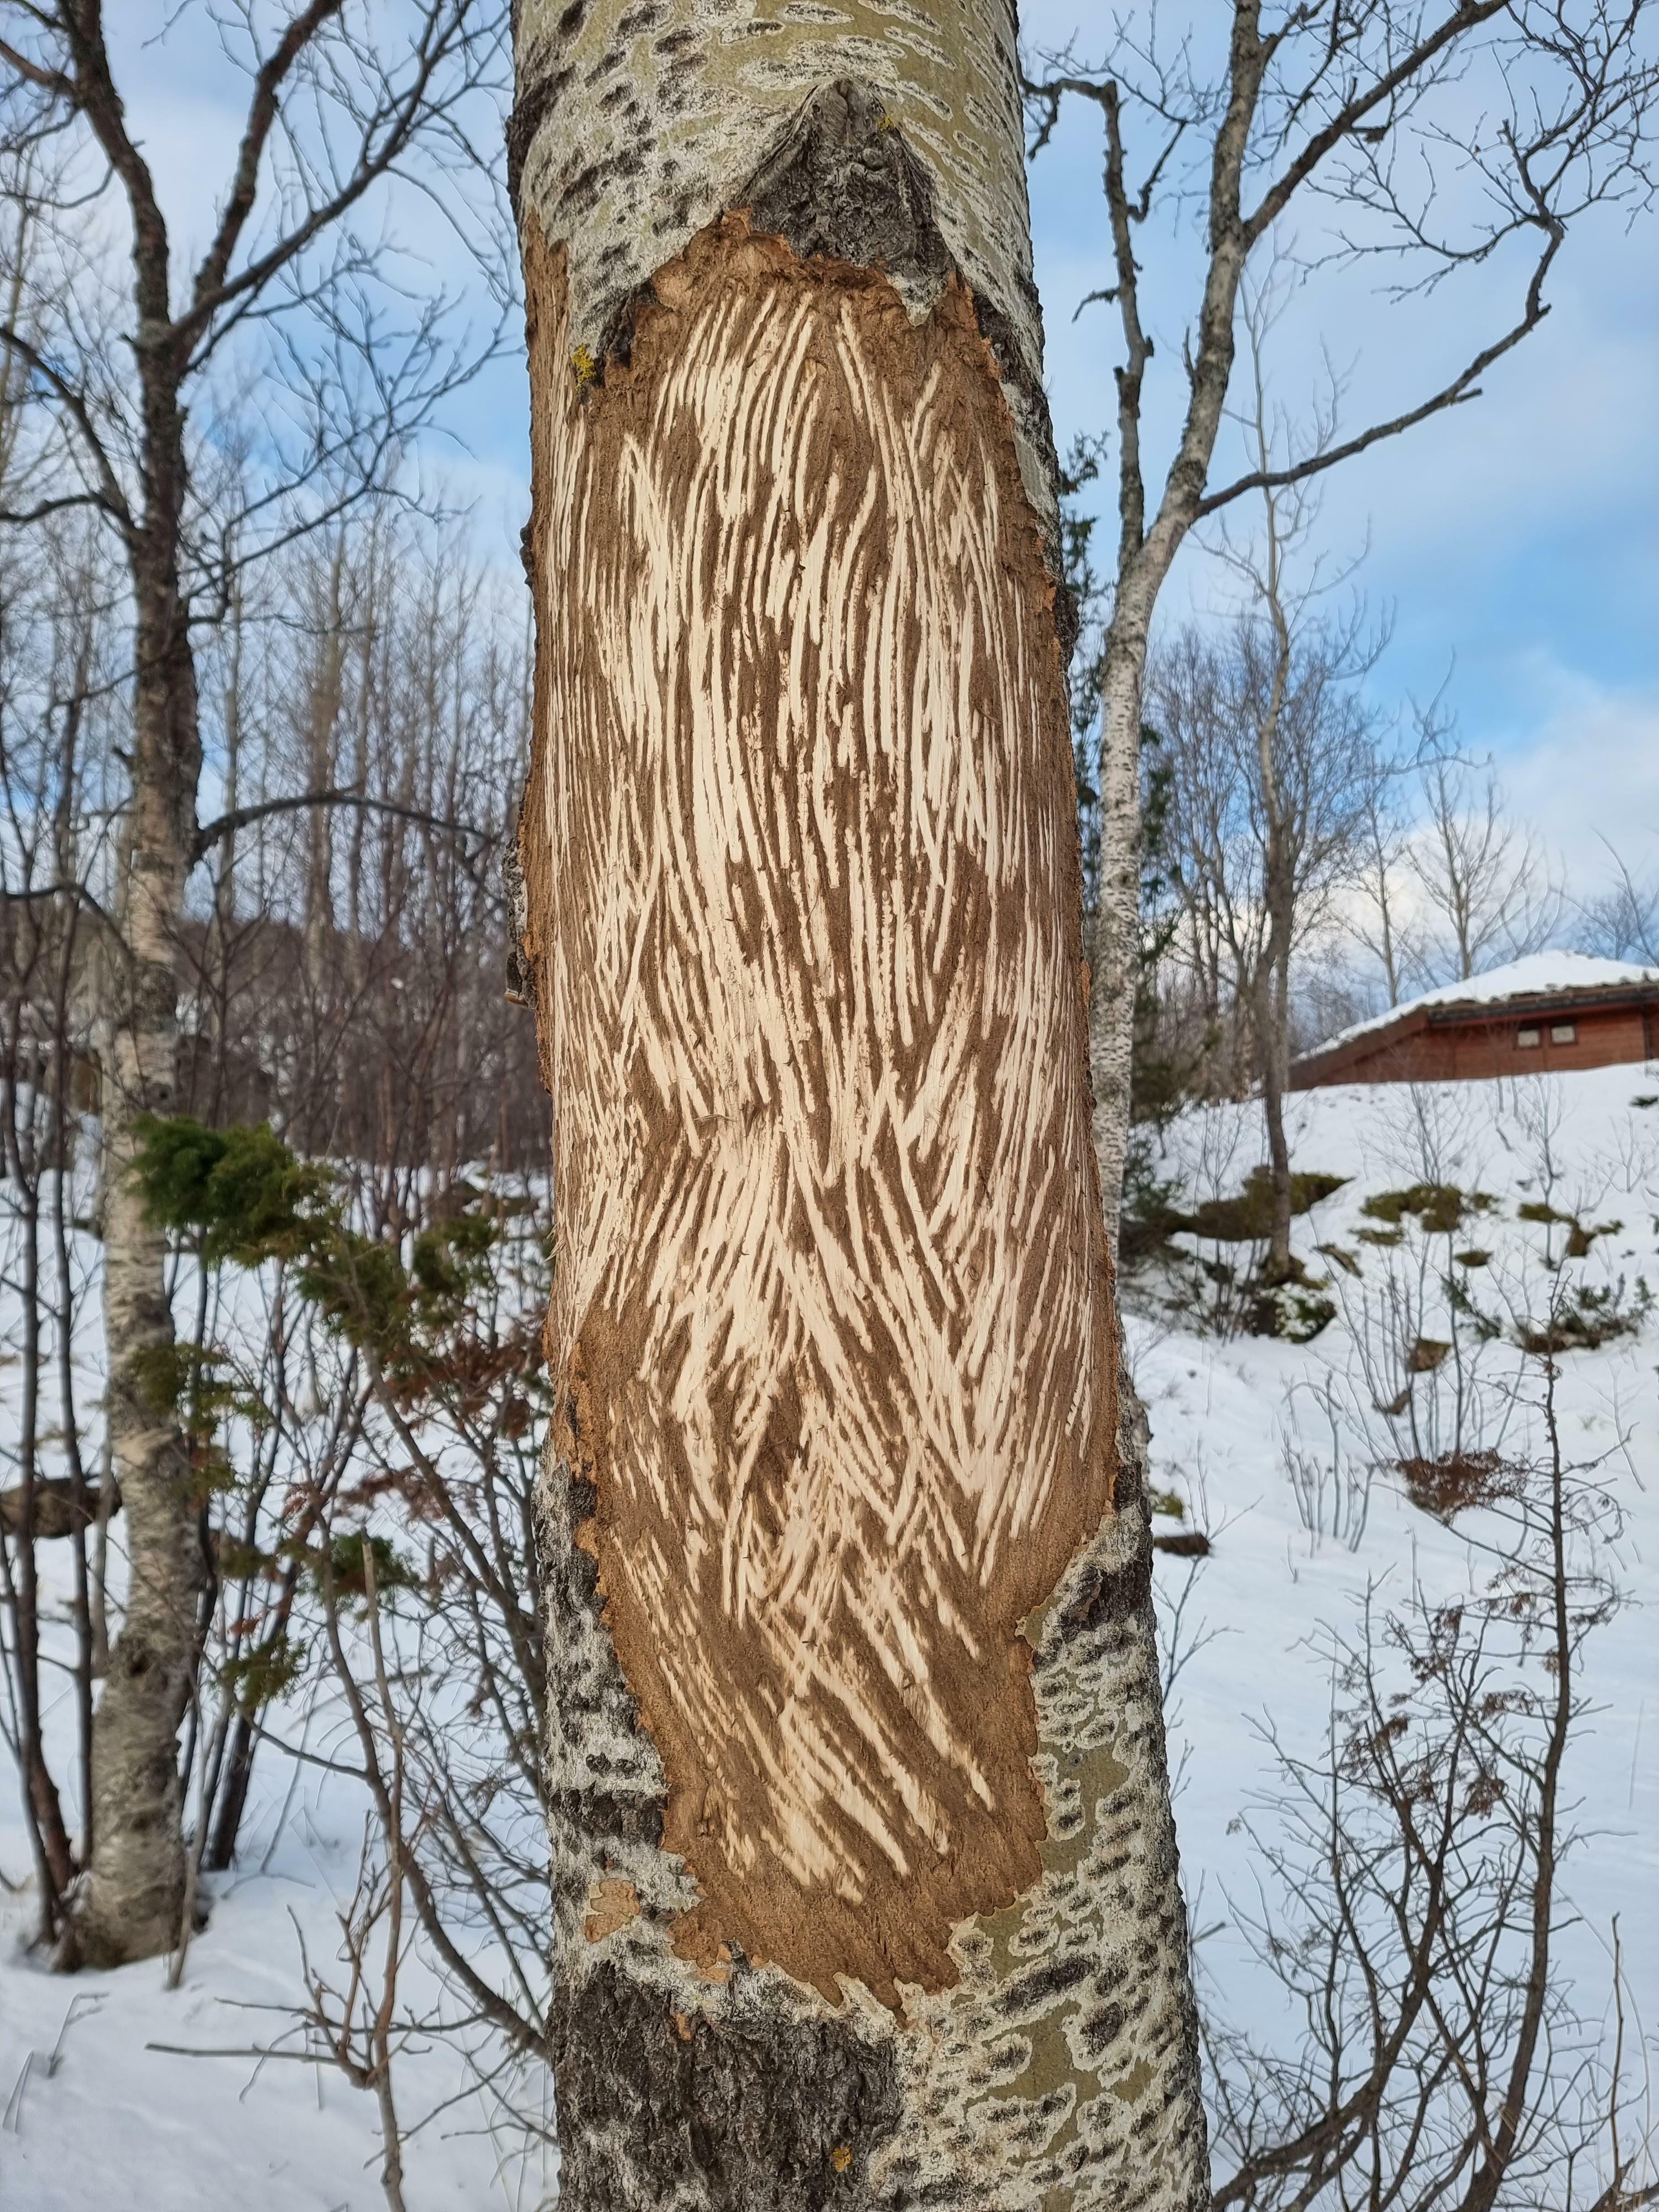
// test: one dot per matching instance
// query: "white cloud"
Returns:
(1587, 774)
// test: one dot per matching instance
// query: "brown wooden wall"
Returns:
(1483, 1046)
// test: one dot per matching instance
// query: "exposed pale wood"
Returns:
(833, 1300)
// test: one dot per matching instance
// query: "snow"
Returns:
(122, 2124)
(1534, 976)
(1585, 1144)
(118, 2091)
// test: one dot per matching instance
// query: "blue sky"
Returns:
(1515, 540)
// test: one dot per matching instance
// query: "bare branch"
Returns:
(226, 825)
(110, 496)
(1463, 387)
(262, 114)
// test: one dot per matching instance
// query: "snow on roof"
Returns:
(1537, 975)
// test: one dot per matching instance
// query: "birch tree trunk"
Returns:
(303, 164)
(866, 1889)
(1115, 945)
(1146, 550)
(1279, 896)
(136, 1864)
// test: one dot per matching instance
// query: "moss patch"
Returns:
(1580, 1235)
(1248, 1218)
(1440, 1206)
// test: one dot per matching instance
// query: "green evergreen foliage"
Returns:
(1596, 1315)
(238, 1192)
(256, 1678)
(239, 1562)
(344, 1569)
(239, 1195)
(450, 1262)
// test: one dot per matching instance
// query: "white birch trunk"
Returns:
(135, 1867)
(865, 1876)
(1114, 950)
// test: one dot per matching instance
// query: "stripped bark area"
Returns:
(832, 1301)
(638, 123)
(1058, 2074)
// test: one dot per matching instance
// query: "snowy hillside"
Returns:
(1260, 1439)
(1470, 1220)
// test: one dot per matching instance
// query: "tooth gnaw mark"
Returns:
(832, 1300)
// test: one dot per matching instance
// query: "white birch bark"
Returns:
(136, 1865)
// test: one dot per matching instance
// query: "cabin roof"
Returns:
(1542, 983)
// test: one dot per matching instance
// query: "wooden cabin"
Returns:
(1549, 1012)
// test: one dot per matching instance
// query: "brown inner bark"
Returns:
(833, 1301)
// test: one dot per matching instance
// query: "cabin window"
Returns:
(1563, 1032)
(1528, 1039)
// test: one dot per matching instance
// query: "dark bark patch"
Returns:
(1051, 1979)
(1100, 2030)
(1110, 1596)
(841, 183)
(530, 112)
(757, 2109)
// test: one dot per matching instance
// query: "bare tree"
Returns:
(1275, 758)
(1622, 922)
(57, 689)
(1411, 1899)
(281, 261)
(1381, 919)
(55, 635)
(1484, 877)
(1315, 767)
(1264, 117)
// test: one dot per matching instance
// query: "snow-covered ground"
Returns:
(101, 2115)
(1223, 1414)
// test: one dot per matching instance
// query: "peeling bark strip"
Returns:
(832, 1297)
